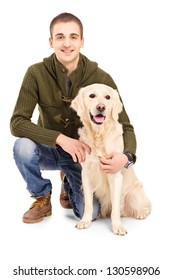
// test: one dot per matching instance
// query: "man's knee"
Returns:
(24, 148)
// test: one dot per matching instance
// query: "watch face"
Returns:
(130, 164)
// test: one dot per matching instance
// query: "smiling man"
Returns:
(52, 143)
(67, 40)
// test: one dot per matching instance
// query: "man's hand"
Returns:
(76, 148)
(113, 162)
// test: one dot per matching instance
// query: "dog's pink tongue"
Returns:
(98, 118)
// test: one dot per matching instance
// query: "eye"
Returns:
(107, 97)
(74, 37)
(59, 37)
(92, 95)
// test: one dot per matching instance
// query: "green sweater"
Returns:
(44, 84)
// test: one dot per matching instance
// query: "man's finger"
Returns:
(86, 147)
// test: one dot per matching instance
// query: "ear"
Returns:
(77, 103)
(118, 106)
(51, 42)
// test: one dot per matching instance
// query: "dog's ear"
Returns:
(118, 106)
(77, 103)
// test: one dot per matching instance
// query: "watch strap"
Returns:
(130, 159)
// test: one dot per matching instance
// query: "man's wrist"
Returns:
(60, 139)
(130, 161)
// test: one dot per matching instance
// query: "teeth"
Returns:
(67, 51)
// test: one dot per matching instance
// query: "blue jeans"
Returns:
(31, 158)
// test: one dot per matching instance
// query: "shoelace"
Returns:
(64, 195)
(40, 201)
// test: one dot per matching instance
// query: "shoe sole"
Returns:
(33, 221)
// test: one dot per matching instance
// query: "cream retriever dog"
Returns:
(119, 194)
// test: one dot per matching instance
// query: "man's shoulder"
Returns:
(94, 65)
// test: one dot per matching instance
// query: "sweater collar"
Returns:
(85, 68)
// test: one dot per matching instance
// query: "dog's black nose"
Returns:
(100, 107)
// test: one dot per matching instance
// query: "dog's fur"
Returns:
(120, 194)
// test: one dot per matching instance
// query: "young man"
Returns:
(52, 143)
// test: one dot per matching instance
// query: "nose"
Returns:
(67, 42)
(100, 107)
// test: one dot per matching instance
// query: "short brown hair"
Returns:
(66, 17)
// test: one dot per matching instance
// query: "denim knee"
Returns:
(24, 149)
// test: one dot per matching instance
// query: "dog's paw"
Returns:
(119, 230)
(83, 224)
(142, 214)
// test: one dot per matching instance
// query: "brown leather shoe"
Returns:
(39, 209)
(64, 200)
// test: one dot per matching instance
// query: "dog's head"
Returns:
(97, 102)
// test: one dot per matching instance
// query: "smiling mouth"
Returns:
(67, 51)
(97, 119)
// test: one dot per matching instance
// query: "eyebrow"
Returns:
(61, 34)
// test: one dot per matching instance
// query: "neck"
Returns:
(96, 135)
(71, 68)
(70, 65)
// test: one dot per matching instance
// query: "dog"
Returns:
(120, 194)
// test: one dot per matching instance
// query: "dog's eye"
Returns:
(107, 97)
(92, 95)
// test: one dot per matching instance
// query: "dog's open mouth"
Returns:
(97, 119)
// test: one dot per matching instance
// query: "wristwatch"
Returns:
(130, 160)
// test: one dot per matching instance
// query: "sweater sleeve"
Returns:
(129, 137)
(21, 124)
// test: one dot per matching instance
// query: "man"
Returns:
(52, 143)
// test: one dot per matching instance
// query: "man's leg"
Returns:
(73, 184)
(30, 158)
(64, 199)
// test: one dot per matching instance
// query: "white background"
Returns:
(132, 40)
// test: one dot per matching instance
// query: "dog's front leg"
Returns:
(88, 203)
(115, 183)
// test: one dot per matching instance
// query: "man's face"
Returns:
(66, 41)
